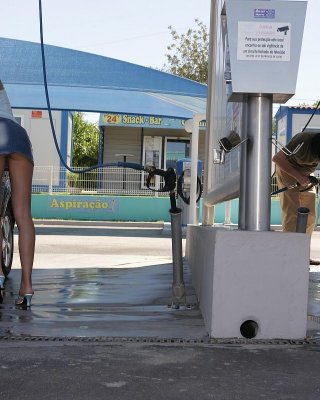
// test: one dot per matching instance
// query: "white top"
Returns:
(5, 107)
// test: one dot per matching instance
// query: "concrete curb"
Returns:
(120, 224)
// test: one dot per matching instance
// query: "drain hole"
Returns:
(249, 329)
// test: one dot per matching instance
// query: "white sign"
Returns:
(264, 41)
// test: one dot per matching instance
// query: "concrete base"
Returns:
(242, 276)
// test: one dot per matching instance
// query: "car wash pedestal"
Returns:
(250, 284)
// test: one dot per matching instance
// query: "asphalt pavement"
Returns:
(102, 327)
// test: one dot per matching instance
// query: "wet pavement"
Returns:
(114, 281)
(101, 327)
(100, 302)
(97, 281)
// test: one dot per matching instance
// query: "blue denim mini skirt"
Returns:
(14, 139)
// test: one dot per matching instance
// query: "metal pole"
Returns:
(227, 212)
(124, 178)
(51, 180)
(243, 169)
(258, 168)
(124, 172)
(302, 219)
(193, 218)
(208, 211)
(178, 287)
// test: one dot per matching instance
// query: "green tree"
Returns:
(85, 142)
(188, 54)
(304, 104)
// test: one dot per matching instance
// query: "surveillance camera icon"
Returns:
(283, 29)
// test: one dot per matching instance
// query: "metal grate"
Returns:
(108, 180)
(161, 341)
(314, 318)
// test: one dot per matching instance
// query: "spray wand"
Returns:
(313, 182)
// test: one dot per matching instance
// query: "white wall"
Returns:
(39, 131)
(299, 121)
(225, 116)
(282, 130)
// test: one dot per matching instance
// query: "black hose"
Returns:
(312, 115)
(45, 81)
(186, 199)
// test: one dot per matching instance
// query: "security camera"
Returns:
(283, 29)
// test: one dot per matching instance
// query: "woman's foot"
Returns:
(25, 295)
(2, 279)
(24, 300)
(25, 289)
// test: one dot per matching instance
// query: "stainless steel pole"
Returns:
(193, 217)
(258, 165)
(243, 169)
(302, 219)
(178, 286)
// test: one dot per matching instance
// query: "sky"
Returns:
(137, 31)
(130, 30)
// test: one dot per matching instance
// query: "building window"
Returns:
(18, 119)
(175, 150)
(152, 151)
(152, 147)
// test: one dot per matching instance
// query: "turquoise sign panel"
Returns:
(124, 208)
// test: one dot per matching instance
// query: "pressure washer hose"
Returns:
(181, 193)
(169, 176)
(135, 166)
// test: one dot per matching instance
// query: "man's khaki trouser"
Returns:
(291, 200)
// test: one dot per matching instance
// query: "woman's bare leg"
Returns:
(2, 164)
(20, 171)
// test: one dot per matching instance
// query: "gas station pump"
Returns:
(183, 170)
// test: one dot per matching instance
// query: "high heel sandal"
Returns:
(2, 279)
(24, 300)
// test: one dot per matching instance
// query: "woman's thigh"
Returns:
(20, 171)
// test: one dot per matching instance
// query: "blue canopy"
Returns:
(79, 81)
